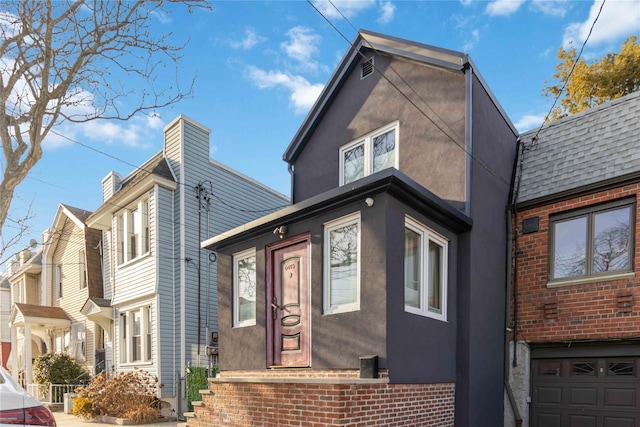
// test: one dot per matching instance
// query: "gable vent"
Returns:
(366, 68)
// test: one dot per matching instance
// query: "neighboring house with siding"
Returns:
(160, 287)
(378, 297)
(5, 312)
(49, 290)
(576, 309)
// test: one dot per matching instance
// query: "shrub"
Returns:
(58, 368)
(130, 395)
(82, 406)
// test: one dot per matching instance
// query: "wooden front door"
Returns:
(288, 307)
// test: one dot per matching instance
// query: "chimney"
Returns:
(110, 185)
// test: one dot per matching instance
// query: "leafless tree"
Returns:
(62, 60)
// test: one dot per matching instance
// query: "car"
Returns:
(19, 408)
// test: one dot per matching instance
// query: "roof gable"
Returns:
(406, 49)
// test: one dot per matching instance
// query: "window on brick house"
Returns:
(593, 241)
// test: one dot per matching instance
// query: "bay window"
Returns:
(425, 271)
(132, 231)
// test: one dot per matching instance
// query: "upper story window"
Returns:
(132, 231)
(18, 292)
(244, 288)
(425, 271)
(593, 241)
(369, 154)
(342, 264)
(58, 280)
(82, 270)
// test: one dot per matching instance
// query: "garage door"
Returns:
(587, 392)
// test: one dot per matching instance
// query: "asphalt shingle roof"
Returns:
(590, 147)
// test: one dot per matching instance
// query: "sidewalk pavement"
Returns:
(68, 420)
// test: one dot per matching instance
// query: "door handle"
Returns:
(275, 307)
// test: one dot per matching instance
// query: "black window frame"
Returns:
(589, 213)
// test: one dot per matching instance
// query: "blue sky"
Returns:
(261, 65)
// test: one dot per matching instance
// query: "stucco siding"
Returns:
(426, 154)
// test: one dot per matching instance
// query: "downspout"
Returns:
(291, 172)
(512, 274)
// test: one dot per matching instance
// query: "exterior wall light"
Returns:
(368, 201)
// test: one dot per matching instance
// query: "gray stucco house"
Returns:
(384, 282)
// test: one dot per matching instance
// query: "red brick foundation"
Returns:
(320, 402)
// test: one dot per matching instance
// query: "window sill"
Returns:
(590, 279)
(341, 309)
(428, 314)
(134, 364)
(134, 261)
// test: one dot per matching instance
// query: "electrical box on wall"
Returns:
(530, 225)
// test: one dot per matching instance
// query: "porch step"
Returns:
(189, 414)
(197, 403)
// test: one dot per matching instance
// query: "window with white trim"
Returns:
(342, 264)
(369, 154)
(82, 270)
(58, 280)
(132, 231)
(135, 335)
(78, 347)
(425, 271)
(244, 288)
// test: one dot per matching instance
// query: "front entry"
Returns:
(288, 308)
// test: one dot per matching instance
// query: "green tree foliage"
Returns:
(603, 80)
(58, 368)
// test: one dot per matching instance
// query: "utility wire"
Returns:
(459, 144)
(566, 81)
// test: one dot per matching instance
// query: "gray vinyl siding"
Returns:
(167, 285)
(107, 266)
(137, 278)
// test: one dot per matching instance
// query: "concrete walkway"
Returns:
(68, 420)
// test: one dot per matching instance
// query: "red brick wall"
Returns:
(596, 310)
(284, 404)
(5, 350)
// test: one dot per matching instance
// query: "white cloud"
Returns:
(503, 7)
(617, 20)
(302, 45)
(472, 41)
(349, 8)
(387, 9)
(466, 2)
(161, 16)
(250, 39)
(551, 7)
(303, 93)
(529, 121)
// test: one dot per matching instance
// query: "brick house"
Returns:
(575, 307)
(378, 297)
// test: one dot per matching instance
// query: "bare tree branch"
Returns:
(76, 61)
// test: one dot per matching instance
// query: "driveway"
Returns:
(67, 420)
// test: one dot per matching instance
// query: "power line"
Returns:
(566, 81)
(423, 113)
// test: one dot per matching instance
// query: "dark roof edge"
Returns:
(391, 181)
(580, 191)
(408, 49)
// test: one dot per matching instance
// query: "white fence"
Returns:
(53, 394)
